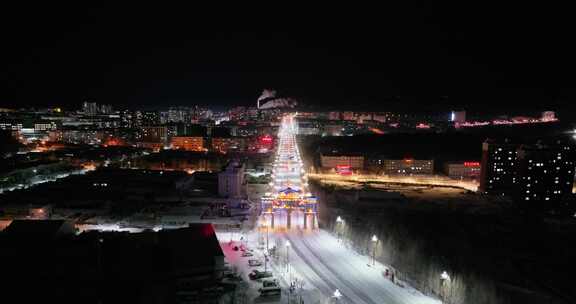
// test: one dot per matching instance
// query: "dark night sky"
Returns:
(338, 56)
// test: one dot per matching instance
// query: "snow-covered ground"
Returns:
(319, 264)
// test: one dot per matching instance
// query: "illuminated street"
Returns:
(288, 205)
(322, 269)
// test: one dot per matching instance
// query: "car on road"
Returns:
(247, 254)
(270, 288)
(254, 262)
(257, 274)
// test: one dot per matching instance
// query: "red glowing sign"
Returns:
(266, 139)
(344, 169)
(471, 164)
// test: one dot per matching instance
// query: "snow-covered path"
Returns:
(328, 265)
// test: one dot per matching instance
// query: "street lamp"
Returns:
(444, 280)
(444, 276)
(375, 241)
(337, 295)
(339, 222)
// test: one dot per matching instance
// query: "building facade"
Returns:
(498, 167)
(408, 166)
(231, 181)
(467, 170)
(545, 173)
(188, 143)
(333, 161)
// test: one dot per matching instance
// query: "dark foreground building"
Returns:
(46, 261)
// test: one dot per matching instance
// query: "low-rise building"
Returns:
(408, 166)
(468, 169)
(188, 143)
(354, 162)
(231, 181)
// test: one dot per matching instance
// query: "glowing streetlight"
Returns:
(337, 295)
(375, 241)
(339, 222)
(444, 280)
(444, 276)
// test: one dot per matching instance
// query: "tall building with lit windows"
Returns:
(545, 173)
(498, 167)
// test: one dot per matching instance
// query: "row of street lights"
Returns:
(339, 226)
(444, 277)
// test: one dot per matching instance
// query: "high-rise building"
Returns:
(498, 167)
(90, 108)
(106, 109)
(154, 134)
(150, 118)
(545, 172)
(129, 119)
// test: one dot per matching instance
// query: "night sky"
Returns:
(353, 58)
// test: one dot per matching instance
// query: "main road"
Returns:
(317, 258)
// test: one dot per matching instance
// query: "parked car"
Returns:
(270, 288)
(257, 274)
(254, 262)
(247, 254)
